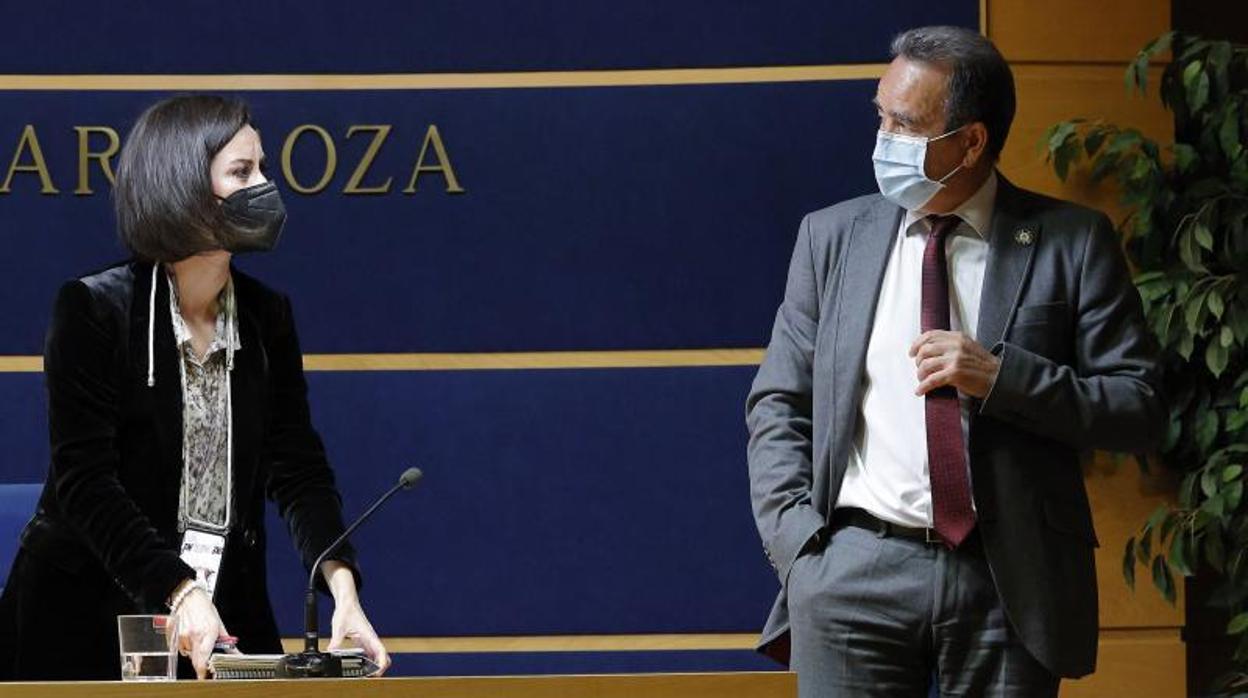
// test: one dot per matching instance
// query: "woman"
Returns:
(176, 404)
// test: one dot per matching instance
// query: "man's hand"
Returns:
(951, 358)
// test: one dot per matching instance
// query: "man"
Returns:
(944, 352)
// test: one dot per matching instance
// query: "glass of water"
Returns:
(148, 648)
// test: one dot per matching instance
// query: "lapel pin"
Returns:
(1024, 237)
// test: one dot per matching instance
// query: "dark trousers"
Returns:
(883, 616)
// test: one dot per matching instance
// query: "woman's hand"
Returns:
(199, 627)
(349, 620)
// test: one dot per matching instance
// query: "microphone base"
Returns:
(309, 665)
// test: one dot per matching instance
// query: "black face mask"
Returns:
(257, 215)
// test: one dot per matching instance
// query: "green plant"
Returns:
(1186, 234)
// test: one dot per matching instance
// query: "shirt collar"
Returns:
(975, 212)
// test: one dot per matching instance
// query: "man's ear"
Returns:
(975, 139)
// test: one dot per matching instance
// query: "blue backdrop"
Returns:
(592, 218)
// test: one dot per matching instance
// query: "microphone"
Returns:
(311, 662)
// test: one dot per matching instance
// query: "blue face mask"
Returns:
(899, 169)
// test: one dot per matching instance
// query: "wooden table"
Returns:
(722, 685)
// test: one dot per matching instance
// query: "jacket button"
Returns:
(250, 538)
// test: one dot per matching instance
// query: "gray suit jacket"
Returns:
(1079, 372)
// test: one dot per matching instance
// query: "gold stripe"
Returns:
(21, 364)
(496, 361)
(447, 81)
(1163, 634)
(558, 643)
(533, 360)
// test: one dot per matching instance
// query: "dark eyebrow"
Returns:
(905, 119)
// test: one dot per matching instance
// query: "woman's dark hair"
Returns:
(981, 86)
(163, 196)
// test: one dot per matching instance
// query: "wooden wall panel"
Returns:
(1073, 31)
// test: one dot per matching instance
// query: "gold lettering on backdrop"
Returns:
(443, 166)
(29, 140)
(380, 132)
(98, 147)
(331, 159)
(86, 155)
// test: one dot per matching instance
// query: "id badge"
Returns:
(202, 551)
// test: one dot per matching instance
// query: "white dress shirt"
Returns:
(888, 473)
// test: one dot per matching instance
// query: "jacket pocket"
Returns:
(1042, 313)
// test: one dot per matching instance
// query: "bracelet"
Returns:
(187, 587)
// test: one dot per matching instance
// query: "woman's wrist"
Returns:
(180, 593)
(341, 582)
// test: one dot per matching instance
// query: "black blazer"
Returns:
(104, 539)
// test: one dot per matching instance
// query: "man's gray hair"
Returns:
(981, 86)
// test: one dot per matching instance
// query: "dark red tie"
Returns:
(953, 517)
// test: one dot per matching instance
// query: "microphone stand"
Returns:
(312, 662)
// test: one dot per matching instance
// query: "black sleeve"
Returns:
(300, 480)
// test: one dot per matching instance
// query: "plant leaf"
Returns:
(1228, 133)
(1215, 506)
(1124, 140)
(1218, 58)
(1162, 579)
(1128, 563)
(1238, 319)
(1186, 346)
(1238, 624)
(1216, 358)
(1155, 519)
(1094, 139)
(1144, 548)
(1178, 555)
(1188, 489)
(1209, 482)
(1196, 84)
(1059, 133)
(1194, 306)
(1233, 495)
(1185, 157)
(1203, 235)
(1206, 430)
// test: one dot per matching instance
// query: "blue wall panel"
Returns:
(328, 36)
(577, 501)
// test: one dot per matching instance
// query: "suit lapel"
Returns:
(1012, 241)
